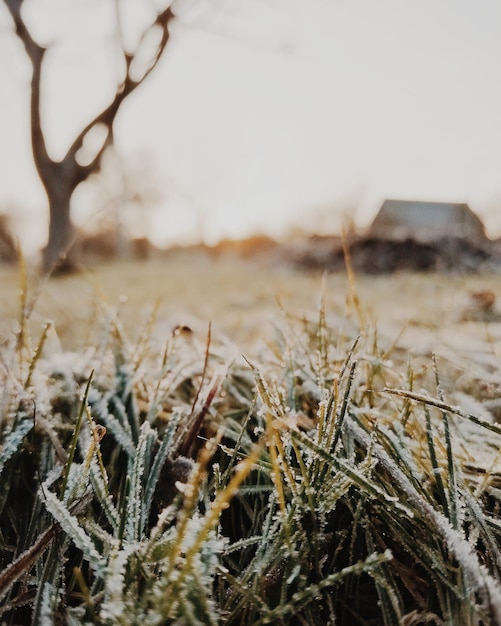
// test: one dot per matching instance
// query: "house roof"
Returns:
(426, 221)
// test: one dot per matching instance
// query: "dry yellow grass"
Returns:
(245, 299)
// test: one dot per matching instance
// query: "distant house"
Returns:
(426, 221)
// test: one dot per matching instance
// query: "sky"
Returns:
(269, 115)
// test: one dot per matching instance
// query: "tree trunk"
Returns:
(58, 254)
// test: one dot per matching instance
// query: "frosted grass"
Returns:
(326, 481)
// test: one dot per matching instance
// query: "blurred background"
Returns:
(262, 116)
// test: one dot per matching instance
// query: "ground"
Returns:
(244, 300)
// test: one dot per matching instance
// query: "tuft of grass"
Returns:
(332, 480)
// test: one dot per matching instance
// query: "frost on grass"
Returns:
(72, 528)
(353, 506)
(13, 441)
(114, 607)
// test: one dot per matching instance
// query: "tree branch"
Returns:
(69, 164)
(162, 21)
(107, 116)
(36, 55)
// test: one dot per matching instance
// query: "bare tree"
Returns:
(61, 177)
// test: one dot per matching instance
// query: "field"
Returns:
(199, 440)
(243, 300)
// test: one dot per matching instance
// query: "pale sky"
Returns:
(269, 114)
